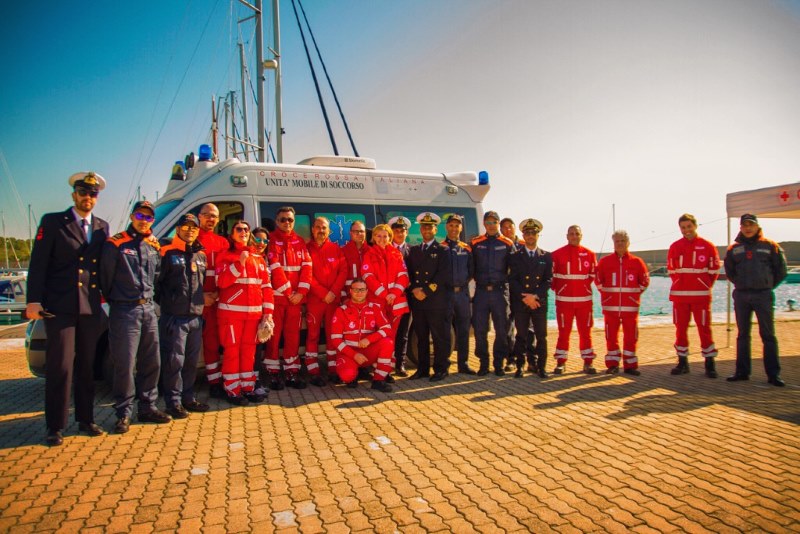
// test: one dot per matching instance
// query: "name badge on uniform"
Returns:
(129, 251)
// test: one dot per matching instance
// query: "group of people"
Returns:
(223, 297)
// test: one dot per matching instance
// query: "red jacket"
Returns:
(385, 274)
(328, 269)
(290, 265)
(213, 245)
(694, 267)
(621, 282)
(243, 293)
(353, 322)
(573, 274)
(354, 259)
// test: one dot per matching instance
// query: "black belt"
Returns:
(492, 287)
(132, 302)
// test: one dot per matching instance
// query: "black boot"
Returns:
(683, 366)
(711, 370)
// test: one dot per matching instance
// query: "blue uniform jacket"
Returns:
(179, 286)
(129, 266)
(461, 262)
(490, 255)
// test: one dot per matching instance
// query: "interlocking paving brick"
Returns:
(575, 453)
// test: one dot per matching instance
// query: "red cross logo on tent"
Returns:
(784, 196)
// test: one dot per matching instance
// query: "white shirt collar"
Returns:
(79, 218)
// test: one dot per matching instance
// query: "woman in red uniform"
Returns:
(245, 295)
(384, 272)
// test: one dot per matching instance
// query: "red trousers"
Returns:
(238, 337)
(565, 313)
(630, 334)
(681, 314)
(288, 320)
(379, 354)
(211, 344)
(317, 314)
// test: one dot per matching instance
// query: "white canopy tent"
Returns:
(776, 202)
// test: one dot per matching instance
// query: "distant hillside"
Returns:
(654, 258)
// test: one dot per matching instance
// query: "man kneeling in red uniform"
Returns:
(364, 338)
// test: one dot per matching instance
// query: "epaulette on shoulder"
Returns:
(464, 246)
(153, 242)
(167, 247)
(480, 238)
(120, 238)
(505, 240)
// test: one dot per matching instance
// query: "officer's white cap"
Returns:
(88, 179)
(427, 217)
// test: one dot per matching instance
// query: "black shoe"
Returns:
(317, 380)
(589, 369)
(559, 370)
(737, 378)
(776, 381)
(518, 374)
(123, 425)
(466, 371)
(54, 438)
(255, 398)
(238, 400)
(154, 416)
(613, 370)
(364, 373)
(334, 379)
(711, 369)
(441, 375)
(499, 372)
(275, 383)
(179, 412)
(90, 429)
(542, 373)
(483, 371)
(381, 385)
(634, 372)
(216, 391)
(401, 371)
(353, 384)
(418, 375)
(196, 406)
(296, 382)
(389, 379)
(682, 368)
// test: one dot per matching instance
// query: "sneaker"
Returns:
(559, 370)
(178, 412)
(154, 416)
(589, 369)
(634, 372)
(381, 385)
(296, 382)
(317, 380)
(196, 406)
(275, 383)
(613, 370)
(255, 397)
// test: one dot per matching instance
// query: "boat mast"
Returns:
(5, 239)
(245, 132)
(276, 51)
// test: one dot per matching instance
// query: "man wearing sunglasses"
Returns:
(63, 287)
(290, 267)
(129, 266)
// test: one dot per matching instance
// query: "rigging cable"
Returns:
(330, 83)
(316, 82)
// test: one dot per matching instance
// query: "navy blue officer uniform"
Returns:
(531, 272)
(129, 266)
(404, 325)
(429, 270)
(63, 281)
(755, 265)
(462, 266)
(490, 254)
(179, 293)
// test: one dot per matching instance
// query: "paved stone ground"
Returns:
(575, 453)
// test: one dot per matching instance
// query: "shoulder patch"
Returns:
(153, 242)
(120, 238)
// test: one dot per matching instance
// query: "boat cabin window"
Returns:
(341, 217)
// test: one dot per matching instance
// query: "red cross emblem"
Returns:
(784, 196)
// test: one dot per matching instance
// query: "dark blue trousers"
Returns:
(181, 340)
(492, 304)
(762, 302)
(133, 342)
(462, 315)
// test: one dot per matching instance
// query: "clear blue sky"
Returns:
(572, 106)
